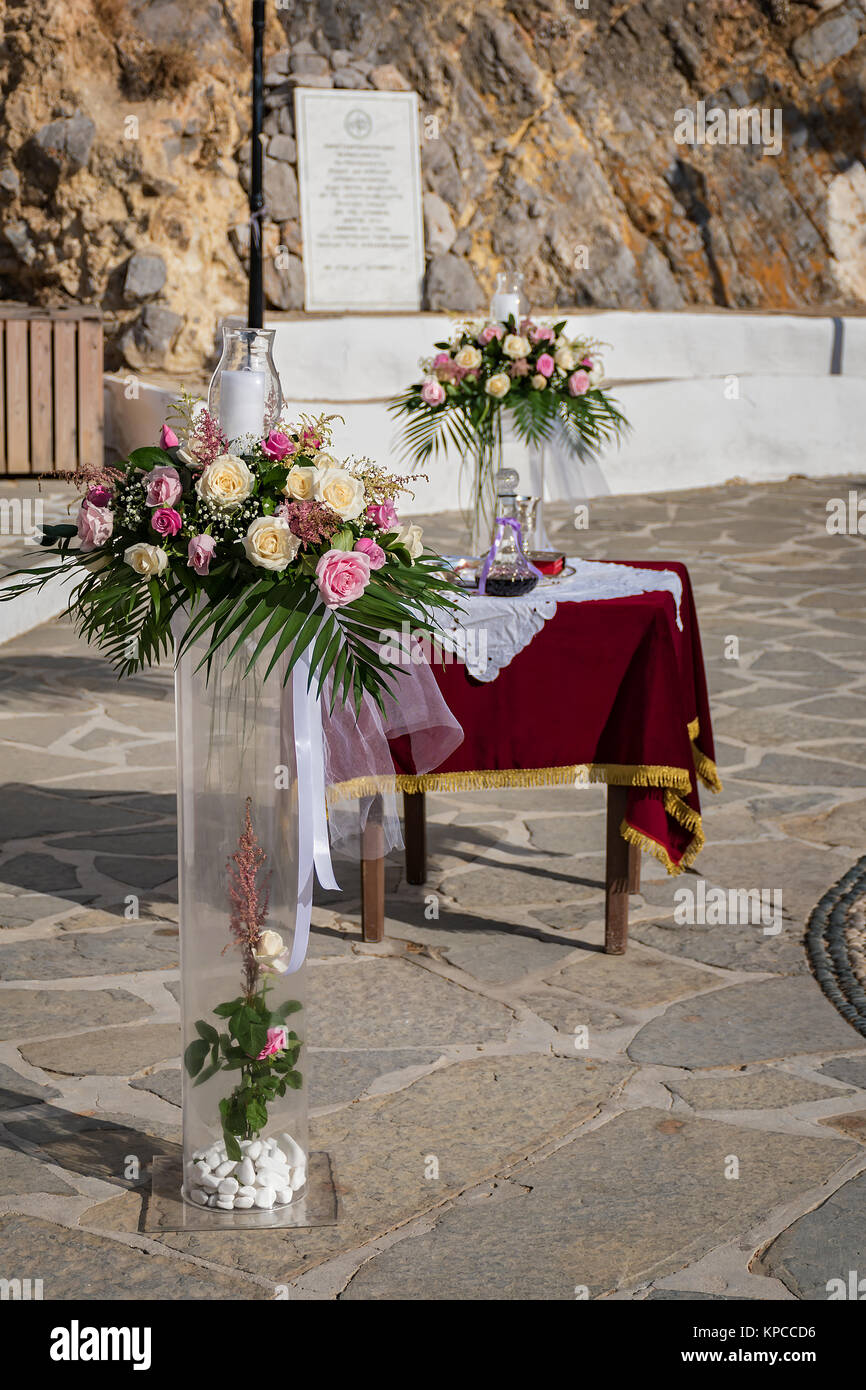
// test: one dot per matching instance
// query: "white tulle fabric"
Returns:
(359, 769)
(490, 632)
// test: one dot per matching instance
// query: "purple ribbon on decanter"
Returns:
(501, 522)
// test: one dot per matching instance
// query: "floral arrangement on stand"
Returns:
(544, 380)
(246, 1171)
(270, 541)
(256, 550)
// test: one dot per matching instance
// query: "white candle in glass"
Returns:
(242, 403)
(505, 303)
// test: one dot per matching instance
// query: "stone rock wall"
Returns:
(549, 142)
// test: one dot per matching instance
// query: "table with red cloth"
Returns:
(610, 691)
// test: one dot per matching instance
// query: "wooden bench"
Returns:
(621, 873)
(51, 412)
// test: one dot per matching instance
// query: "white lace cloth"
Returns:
(491, 631)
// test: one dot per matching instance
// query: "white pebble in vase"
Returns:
(265, 1198)
(245, 1171)
(293, 1151)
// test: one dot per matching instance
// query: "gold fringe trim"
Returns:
(704, 766)
(612, 774)
(684, 815)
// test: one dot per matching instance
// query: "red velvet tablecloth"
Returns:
(608, 691)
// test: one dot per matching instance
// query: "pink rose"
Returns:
(162, 488)
(100, 495)
(432, 392)
(587, 362)
(578, 383)
(374, 553)
(342, 576)
(166, 521)
(95, 525)
(383, 515)
(543, 334)
(278, 1041)
(200, 552)
(545, 364)
(278, 445)
(167, 438)
(442, 359)
(493, 330)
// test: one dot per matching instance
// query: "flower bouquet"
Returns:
(530, 372)
(269, 545)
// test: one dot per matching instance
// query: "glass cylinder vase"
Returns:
(245, 393)
(527, 460)
(244, 1098)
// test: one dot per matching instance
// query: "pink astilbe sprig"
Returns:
(205, 440)
(311, 522)
(249, 897)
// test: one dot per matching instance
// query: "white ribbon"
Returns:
(314, 850)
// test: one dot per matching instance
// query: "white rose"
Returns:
(468, 357)
(272, 952)
(514, 345)
(226, 482)
(146, 560)
(498, 385)
(539, 381)
(300, 483)
(343, 492)
(269, 543)
(412, 537)
(597, 374)
(564, 359)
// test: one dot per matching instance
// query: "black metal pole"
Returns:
(257, 194)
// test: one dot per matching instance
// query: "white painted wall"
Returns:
(693, 426)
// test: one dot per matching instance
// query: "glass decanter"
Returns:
(506, 572)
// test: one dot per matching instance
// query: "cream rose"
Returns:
(539, 382)
(515, 345)
(226, 482)
(343, 492)
(596, 375)
(300, 483)
(564, 359)
(411, 536)
(272, 952)
(269, 543)
(146, 560)
(468, 357)
(498, 385)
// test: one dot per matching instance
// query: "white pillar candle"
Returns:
(504, 304)
(242, 403)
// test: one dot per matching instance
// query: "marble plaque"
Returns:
(360, 188)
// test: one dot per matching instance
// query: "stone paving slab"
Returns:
(74, 1264)
(633, 1199)
(826, 1244)
(759, 1021)
(107, 1051)
(752, 1088)
(35, 1013)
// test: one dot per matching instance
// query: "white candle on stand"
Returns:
(504, 304)
(242, 403)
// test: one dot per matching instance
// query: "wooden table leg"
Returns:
(415, 835)
(622, 868)
(373, 874)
